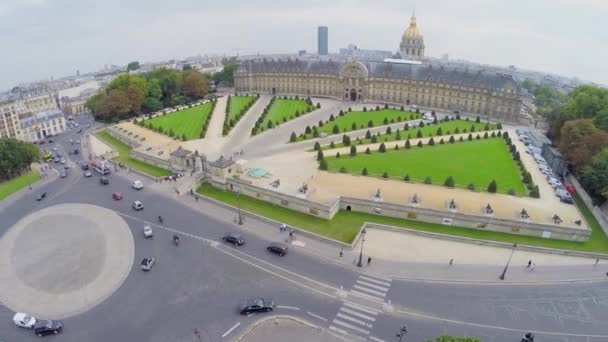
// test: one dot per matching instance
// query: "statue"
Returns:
(489, 210)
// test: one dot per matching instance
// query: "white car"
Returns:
(148, 232)
(137, 205)
(24, 320)
(138, 185)
(62, 161)
(88, 174)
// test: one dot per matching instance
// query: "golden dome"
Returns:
(412, 31)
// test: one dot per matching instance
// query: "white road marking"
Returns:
(231, 329)
(352, 319)
(317, 316)
(343, 332)
(287, 307)
(350, 326)
(355, 313)
(373, 292)
(368, 296)
(375, 339)
(251, 314)
(361, 308)
(373, 286)
(385, 282)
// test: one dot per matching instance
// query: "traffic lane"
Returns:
(573, 308)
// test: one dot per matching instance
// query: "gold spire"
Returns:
(412, 31)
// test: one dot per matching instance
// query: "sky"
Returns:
(54, 38)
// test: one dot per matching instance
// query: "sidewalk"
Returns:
(549, 268)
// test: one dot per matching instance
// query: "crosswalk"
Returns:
(354, 321)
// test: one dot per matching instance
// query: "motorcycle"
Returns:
(176, 240)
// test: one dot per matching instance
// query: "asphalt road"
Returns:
(199, 284)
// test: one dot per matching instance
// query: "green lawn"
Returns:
(124, 157)
(188, 121)
(477, 162)
(361, 120)
(345, 225)
(237, 103)
(447, 129)
(283, 110)
(10, 187)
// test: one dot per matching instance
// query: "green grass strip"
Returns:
(188, 122)
(8, 188)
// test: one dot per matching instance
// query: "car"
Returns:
(234, 238)
(55, 160)
(84, 165)
(117, 196)
(570, 189)
(148, 232)
(78, 141)
(277, 248)
(62, 161)
(66, 166)
(256, 305)
(76, 124)
(63, 174)
(41, 196)
(79, 130)
(88, 174)
(71, 141)
(51, 141)
(41, 142)
(88, 125)
(104, 180)
(55, 148)
(147, 263)
(76, 151)
(137, 205)
(24, 320)
(47, 327)
(137, 185)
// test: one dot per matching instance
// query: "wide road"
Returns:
(199, 284)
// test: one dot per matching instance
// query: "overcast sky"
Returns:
(44, 38)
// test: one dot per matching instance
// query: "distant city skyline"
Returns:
(55, 38)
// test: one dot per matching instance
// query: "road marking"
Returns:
(231, 329)
(375, 339)
(317, 316)
(287, 307)
(373, 286)
(370, 297)
(343, 332)
(355, 313)
(251, 314)
(352, 319)
(385, 282)
(350, 326)
(361, 308)
(373, 292)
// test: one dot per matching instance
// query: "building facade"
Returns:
(36, 126)
(14, 106)
(322, 40)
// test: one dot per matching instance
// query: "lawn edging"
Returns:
(19, 192)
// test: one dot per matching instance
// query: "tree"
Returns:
(535, 193)
(346, 140)
(332, 145)
(406, 178)
(151, 104)
(184, 137)
(16, 157)
(471, 186)
(293, 137)
(195, 84)
(385, 121)
(419, 143)
(407, 144)
(364, 171)
(385, 174)
(428, 180)
(226, 75)
(353, 127)
(136, 97)
(323, 165)
(368, 151)
(270, 124)
(419, 134)
(406, 127)
(317, 146)
(470, 137)
(153, 89)
(398, 135)
(396, 147)
(338, 155)
(370, 123)
(133, 66)
(451, 139)
(449, 182)
(374, 139)
(389, 130)
(116, 104)
(382, 148)
(492, 187)
(477, 119)
(580, 140)
(368, 134)
(332, 117)
(336, 129)
(308, 130)
(431, 142)
(320, 155)
(595, 177)
(353, 151)
(439, 131)
(343, 169)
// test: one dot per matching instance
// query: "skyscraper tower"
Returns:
(322, 40)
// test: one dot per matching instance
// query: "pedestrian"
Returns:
(533, 266)
(597, 261)
(529, 264)
(341, 252)
(30, 186)
(196, 198)
(451, 261)
(369, 260)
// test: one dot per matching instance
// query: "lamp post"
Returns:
(363, 232)
(401, 333)
(504, 272)
(238, 203)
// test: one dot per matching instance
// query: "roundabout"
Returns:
(64, 259)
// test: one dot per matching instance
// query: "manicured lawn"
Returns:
(10, 187)
(187, 122)
(447, 129)
(283, 110)
(124, 157)
(237, 103)
(477, 162)
(345, 225)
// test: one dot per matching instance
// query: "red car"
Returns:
(570, 188)
(117, 196)
(41, 142)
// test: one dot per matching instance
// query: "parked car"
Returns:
(117, 196)
(76, 151)
(234, 239)
(570, 189)
(137, 205)
(256, 305)
(62, 161)
(148, 232)
(55, 160)
(277, 248)
(137, 185)
(88, 174)
(104, 180)
(63, 174)
(51, 141)
(147, 263)
(84, 165)
(47, 327)
(24, 320)
(41, 196)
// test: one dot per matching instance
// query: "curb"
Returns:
(265, 319)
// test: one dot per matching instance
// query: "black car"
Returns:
(84, 165)
(234, 239)
(47, 327)
(76, 151)
(51, 141)
(277, 248)
(256, 305)
(41, 196)
(104, 180)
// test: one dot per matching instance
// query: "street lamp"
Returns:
(504, 272)
(363, 232)
(401, 333)
(238, 203)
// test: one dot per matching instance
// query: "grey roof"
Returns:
(222, 162)
(36, 118)
(180, 152)
(419, 72)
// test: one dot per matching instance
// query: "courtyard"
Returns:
(283, 110)
(186, 124)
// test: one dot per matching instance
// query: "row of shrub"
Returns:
(258, 127)
(229, 123)
(147, 124)
(526, 177)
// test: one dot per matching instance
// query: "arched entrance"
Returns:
(348, 208)
(353, 94)
(354, 77)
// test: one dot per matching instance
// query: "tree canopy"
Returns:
(544, 97)
(226, 75)
(594, 177)
(133, 66)
(15, 157)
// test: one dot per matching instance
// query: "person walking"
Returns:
(369, 260)
(341, 252)
(529, 264)
(451, 261)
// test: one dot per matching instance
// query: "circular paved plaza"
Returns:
(64, 260)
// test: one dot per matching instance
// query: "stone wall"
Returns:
(599, 215)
